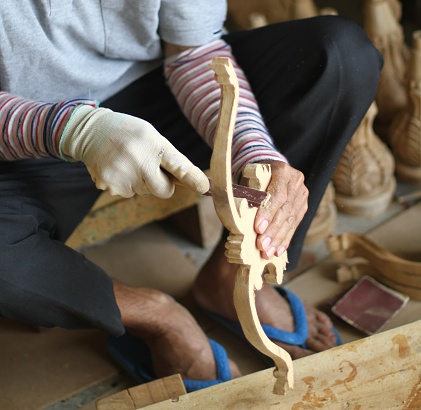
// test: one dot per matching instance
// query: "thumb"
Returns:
(183, 169)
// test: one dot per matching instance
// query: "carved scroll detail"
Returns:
(238, 218)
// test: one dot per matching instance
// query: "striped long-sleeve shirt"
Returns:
(31, 129)
(192, 82)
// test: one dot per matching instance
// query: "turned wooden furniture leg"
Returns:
(238, 218)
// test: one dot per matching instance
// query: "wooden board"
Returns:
(110, 218)
(379, 372)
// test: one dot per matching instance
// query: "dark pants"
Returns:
(314, 80)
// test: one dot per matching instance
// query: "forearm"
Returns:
(32, 129)
(192, 82)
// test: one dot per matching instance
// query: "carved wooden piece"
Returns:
(325, 219)
(405, 131)
(238, 218)
(242, 14)
(382, 26)
(364, 178)
(400, 274)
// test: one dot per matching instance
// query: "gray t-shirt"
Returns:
(53, 50)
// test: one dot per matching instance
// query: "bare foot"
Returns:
(213, 290)
(177, 343)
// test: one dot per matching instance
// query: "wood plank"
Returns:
(380, 371)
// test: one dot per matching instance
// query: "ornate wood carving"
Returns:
(238, 218)
(381, 23)
(405, 131)
(364, 178)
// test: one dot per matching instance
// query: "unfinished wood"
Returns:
(378, 372)
(118, 401)
(128, 214)
(324, 221)
(382, 26)
(405, 131)
(167, 388)
(238, 218)
(400, 274)
(242, 14)
(364, 177)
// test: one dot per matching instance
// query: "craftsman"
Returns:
(104, 95)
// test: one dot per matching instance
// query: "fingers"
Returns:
(159, 185)
(277, 223)
(183, 169)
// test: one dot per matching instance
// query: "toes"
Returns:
(319, 342)
(323, 318)
(321, 336)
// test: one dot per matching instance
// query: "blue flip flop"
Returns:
(134, 356)
(298, 337)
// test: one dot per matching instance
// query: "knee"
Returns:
(351, 51)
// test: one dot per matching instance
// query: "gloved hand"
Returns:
(126, 155)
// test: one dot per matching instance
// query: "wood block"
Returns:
(167, 388)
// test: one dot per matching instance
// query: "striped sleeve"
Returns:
(31, 129)
(192, 82)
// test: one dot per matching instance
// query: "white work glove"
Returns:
(126, 155)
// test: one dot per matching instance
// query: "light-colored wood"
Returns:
(244, 15)
(112, 215)
(325, 219)
(378, 372)
(382, 26)
(405, 131)
(118, 401)
(328, 11)
(167, 388)
(238, 218)
(400, 274)
(364, 177)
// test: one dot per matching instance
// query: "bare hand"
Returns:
(276, 224)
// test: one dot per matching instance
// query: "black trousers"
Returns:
(314, 80)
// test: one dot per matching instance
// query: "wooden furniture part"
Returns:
(400, 274)
(111, 215)
(238, 218)
(364, 178)
(378, 372)
(405, 131)
(382, 26)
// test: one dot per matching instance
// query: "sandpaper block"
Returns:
(369, 305)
